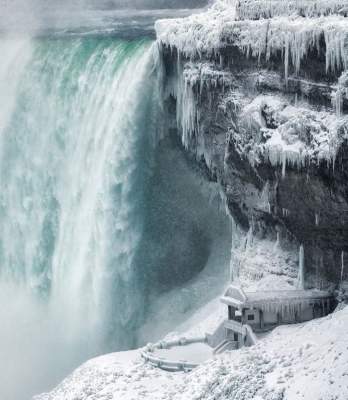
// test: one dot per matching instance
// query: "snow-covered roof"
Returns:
(235, 296)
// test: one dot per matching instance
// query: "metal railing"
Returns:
(181, 365)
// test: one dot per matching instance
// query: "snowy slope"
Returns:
(307, 361)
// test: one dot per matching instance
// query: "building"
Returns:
(258, 312)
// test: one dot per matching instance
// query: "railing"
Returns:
(234, 326)
(245, 330)
(225, 346)
(182, 365)
(251, 338)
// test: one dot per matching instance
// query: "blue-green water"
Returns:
(77, 131)
(102, 245)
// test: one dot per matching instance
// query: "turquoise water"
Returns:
(102, 245)
(77, 133)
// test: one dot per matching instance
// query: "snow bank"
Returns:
(119, 376)
(307, 361)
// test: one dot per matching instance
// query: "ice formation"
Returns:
(256, 9)
(292, 37)
(189, 81)
(302, 135)
(301, 269)
(298, 135)
(341, 94)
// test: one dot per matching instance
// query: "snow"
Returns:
(195, 353)
(115, 376)
(306, 361)
(299, 135)
(198, 33)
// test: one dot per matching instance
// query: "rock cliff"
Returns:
(258, 92)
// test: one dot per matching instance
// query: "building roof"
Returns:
(235, 296)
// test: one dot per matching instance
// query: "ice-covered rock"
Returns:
(256, 9)
(262, 105)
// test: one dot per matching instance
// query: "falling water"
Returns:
(76, 142)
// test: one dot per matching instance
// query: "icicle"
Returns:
(285, 212)
(232, 271)
(286, 59)
(337, 101)
(342, 266)
(277, 243)
(283, 165)
(235, 242)
(317, 280)
(250, 236)
(301, 272)
(316, 219)
(221, 61)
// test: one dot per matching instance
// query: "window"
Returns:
(251, 317)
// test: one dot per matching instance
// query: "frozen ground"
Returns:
(307, 362)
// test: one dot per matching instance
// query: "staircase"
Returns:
(225, 346)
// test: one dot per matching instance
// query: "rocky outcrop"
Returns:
(262, 106)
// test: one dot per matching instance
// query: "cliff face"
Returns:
(261, 105)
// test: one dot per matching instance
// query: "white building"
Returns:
(257, 312)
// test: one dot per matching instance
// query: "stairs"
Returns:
(225, 346)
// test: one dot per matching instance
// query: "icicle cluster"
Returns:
(187, 86)
(258, 9)
(287, 308)
(292, 37)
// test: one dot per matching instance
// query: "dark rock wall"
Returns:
(309, 205)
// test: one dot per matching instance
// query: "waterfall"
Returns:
(77, 130)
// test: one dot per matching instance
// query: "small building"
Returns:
(265, 310)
